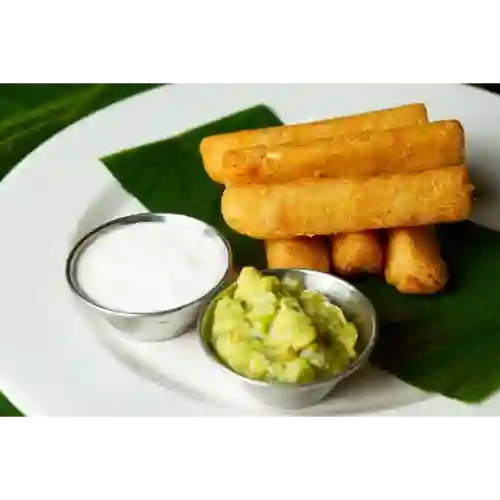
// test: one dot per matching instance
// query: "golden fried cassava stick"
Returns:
(357, 253)
(302, 252)
(353, 253)
(214, 147)
(414, 264)
(330, 206)
(408, 149)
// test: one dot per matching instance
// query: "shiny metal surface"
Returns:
(154, 326)
(357, 308)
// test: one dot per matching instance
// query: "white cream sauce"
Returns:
(152, 266)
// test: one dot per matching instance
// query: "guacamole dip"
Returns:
(273, 330)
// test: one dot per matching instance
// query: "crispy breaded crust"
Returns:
(357, 253)
(330, 206)
(408, 149)
(302, 252)
(214, 147)
(414, 264)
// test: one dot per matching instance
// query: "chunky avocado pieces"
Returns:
(273, 330)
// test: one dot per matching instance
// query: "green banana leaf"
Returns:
(30, 114)
(447, 344)
(7, 409)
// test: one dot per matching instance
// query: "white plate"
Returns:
(55, 360)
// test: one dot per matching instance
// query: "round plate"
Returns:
(57, 360)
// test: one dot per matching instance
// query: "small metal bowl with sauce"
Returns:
(357, 309)
(157, 325)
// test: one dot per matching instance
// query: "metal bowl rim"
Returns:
(354, 366)
(158, 217)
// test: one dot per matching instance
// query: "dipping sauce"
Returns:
(272, 330)
(152, 266)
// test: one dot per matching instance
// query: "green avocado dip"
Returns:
(273, 330)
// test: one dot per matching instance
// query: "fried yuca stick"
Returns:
(414, 264)
(307, 252)
(351, 253)
(302, 252)
(407, 149)
(357, 253)
(213, 148)
(330, 206)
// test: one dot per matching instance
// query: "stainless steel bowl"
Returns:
(153, 326)
(357, 308)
